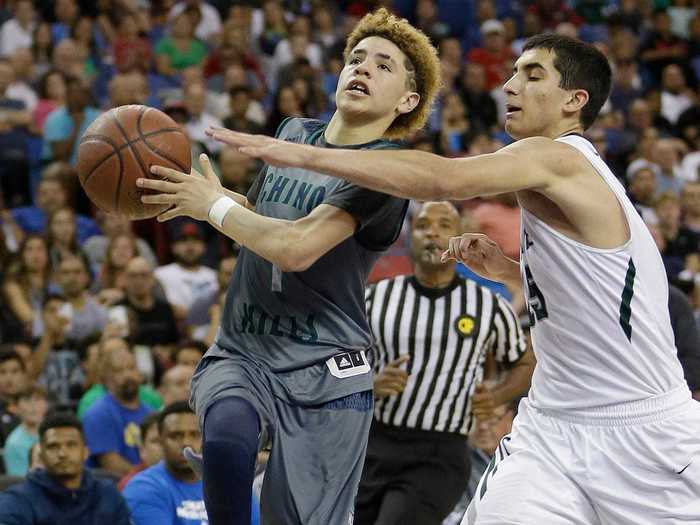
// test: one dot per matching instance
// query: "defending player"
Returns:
(289, 361)
(609, 433)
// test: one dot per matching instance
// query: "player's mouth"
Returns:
(357, 87)
(512, 110)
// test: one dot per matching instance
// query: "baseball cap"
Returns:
(492, 26)
(188, 230)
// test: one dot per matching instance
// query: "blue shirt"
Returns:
(16, 453)
(59, 125)
(33, 220)
(111, 427)
(155, 497)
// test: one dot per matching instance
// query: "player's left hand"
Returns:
(271, 151)
(483, 402)
(191, 195)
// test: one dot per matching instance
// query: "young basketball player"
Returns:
(609, 433)
(289, 363)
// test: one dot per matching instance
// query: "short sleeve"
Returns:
(101, 433)
(146, 503)
(254, 191)
(509, 343)
(57, 127)
(379, 216)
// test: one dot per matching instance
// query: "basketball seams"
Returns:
(122, 129)
(134, 153)
(116, 151)
(156, 149)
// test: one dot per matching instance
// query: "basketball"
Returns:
(120, 147)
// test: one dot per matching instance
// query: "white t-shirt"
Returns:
(182, 287)
(14, 36)
(209, 25)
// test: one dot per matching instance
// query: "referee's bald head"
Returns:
(438, 207)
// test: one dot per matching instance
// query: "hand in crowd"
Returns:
(191, 195)
(110, 296)
(483, 402)
(55, 324)
(392, 379)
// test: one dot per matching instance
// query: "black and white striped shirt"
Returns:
(447, 333)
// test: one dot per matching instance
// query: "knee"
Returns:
(232, 420)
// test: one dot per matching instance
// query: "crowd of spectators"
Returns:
(106, 319)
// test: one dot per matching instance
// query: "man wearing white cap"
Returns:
(495, 54)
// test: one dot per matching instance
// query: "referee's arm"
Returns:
(511, 348)
(517, 380)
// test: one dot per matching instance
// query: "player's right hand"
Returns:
(392, 379)
(481, 254)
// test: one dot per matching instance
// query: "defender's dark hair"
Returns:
(178, 407)
(60, 420)
(581, 66)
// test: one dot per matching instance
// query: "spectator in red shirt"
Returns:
(495, 55)
(130, 50)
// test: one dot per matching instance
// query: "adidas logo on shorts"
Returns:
(348, 364)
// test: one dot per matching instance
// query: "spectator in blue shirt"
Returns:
(112, 422)
(63, 492)
(51, 196)
(65, 125)
(169, 493)
(31, 407)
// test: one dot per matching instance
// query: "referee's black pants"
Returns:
(411, 477)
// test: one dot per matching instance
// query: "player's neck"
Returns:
(565, 127)
(340, 132)
(435, 276)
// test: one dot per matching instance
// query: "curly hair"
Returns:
(422, 64)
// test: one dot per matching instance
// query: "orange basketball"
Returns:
(120, 147)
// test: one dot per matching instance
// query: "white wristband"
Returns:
(218, 210)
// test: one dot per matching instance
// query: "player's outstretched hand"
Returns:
(191, 195)
(392, 379)
(272, 151)
(482, 255)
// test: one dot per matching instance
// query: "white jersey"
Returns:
(601, 328)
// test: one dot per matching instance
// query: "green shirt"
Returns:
(147, 395)
(194, 55)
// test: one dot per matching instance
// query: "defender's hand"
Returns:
(481, 254)
(191, 195)
(272, 151)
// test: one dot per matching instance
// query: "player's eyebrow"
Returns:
(383, 56)
(530, 67)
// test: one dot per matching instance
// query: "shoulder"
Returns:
(556, 157)
(146, 483)
(56, 116)
(99, 409)
(297, 129)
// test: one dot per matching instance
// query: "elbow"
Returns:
(292, 261)
(294, 256)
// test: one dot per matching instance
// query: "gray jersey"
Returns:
(290, 321)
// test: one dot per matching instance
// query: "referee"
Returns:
(433, 332)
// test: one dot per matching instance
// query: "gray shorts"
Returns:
(317, 450)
